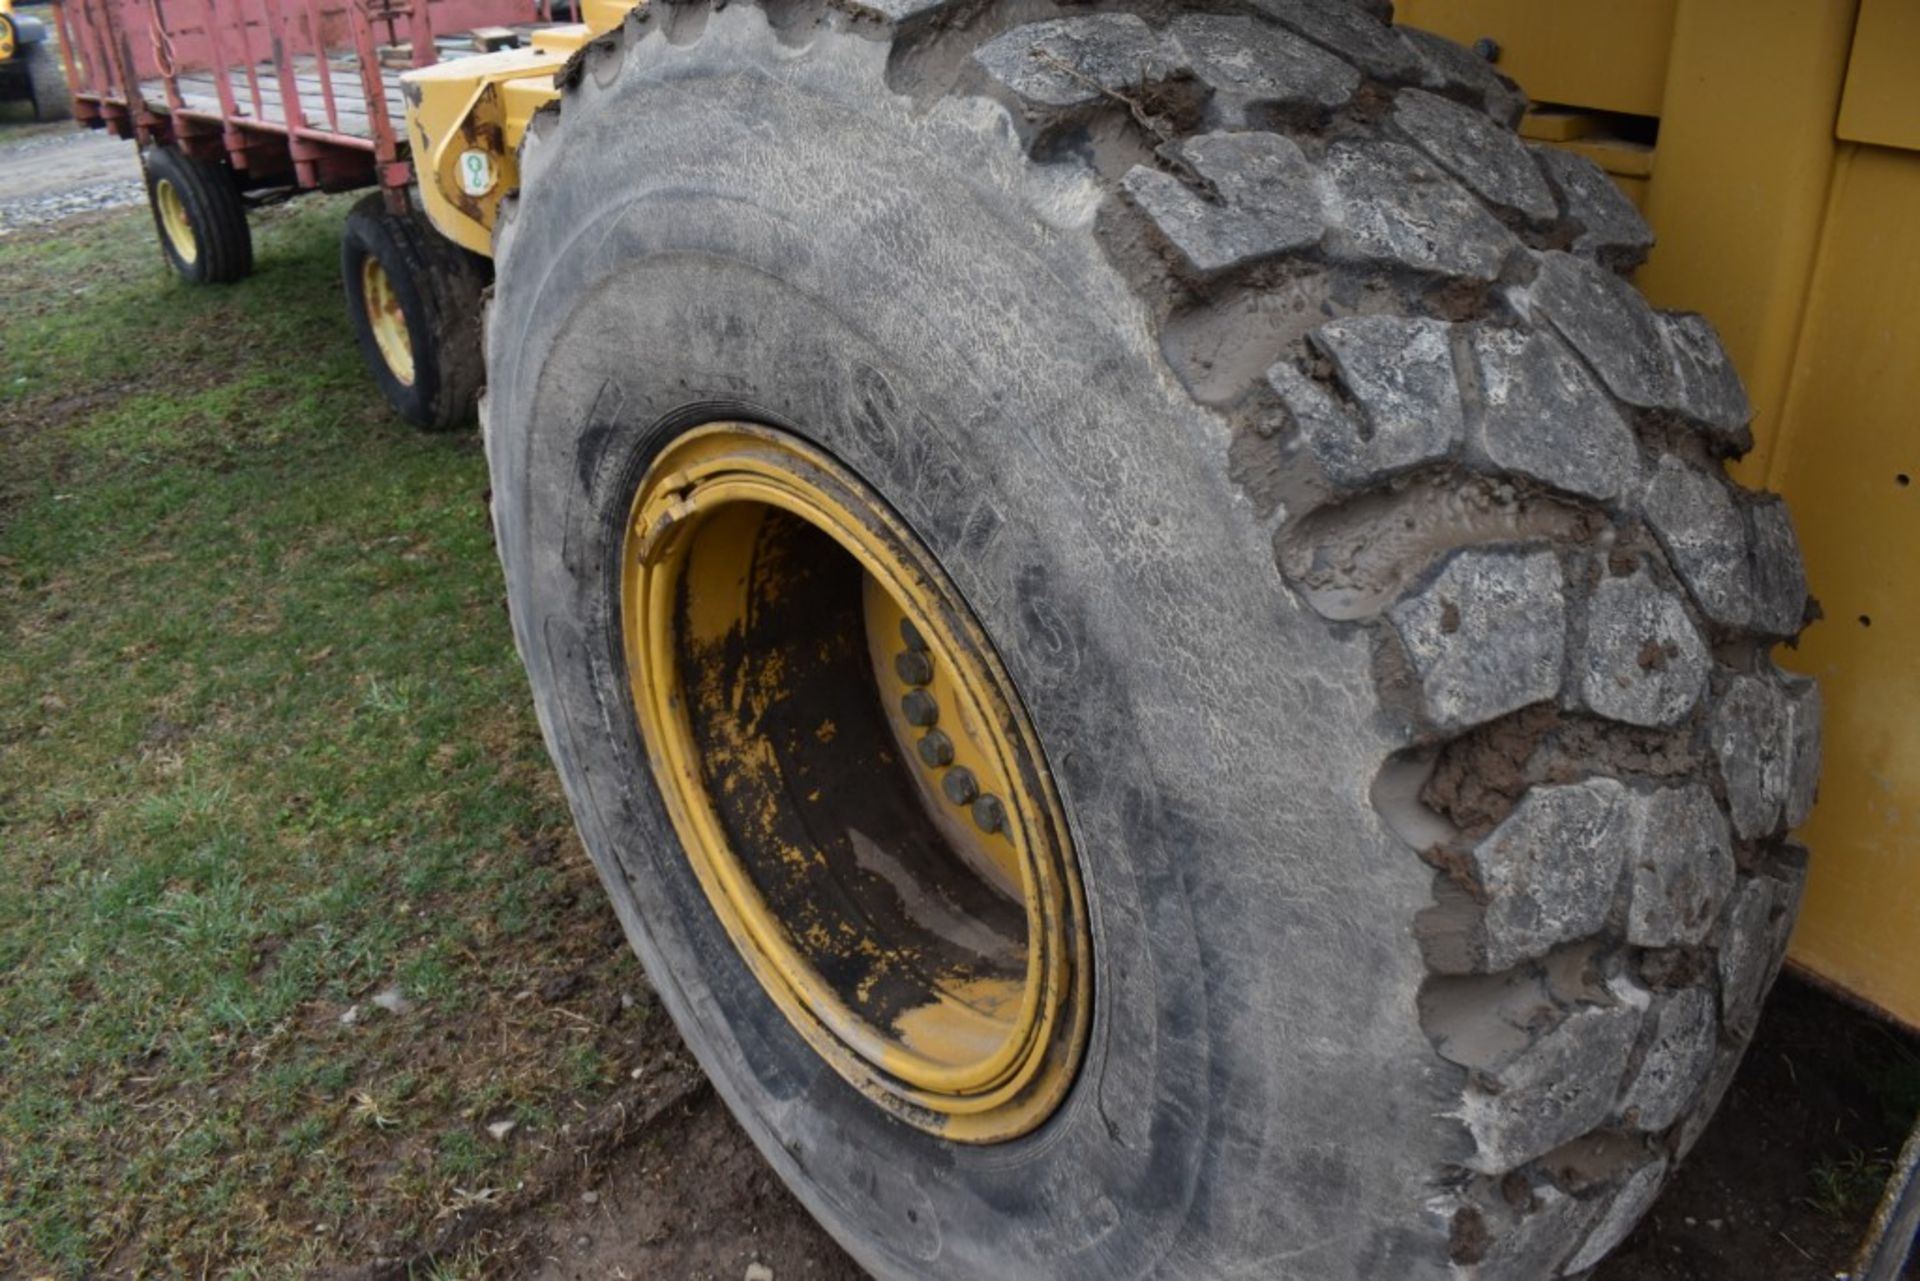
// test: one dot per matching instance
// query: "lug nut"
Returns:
(919, 708)
(911, 635)
(959, 785)
(913, 667)
(989, 815)
(936, 749)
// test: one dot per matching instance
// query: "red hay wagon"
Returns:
(235, 102)
(302, 93)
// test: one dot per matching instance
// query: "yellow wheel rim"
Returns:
(857, 789)
(387, 319)
(6, 37)
(173, 221)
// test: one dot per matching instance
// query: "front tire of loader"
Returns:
(201, 220)
(414, 299)
(1350, 537)
(48, 83)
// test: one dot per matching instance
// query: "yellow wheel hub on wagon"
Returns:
(857, 788)
(387, 319)
(173, 220)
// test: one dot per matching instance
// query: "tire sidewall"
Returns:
(808, 1117)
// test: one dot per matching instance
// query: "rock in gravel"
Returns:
(1485, 155)
(499, 1130)
(1266, 201)
(1705, 538)
(1749, 732)
(1069, 62)
(1681, 867)
(1643, 662)
(1254, 64)
(1487, 635)
(1550, 869)
(1397, 206)
(1680, 1042)
(1542, 415)
(1558, 1088)
(1610, 227)
(758, 1272)
(49, 177)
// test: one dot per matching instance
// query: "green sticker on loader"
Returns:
(476, 173)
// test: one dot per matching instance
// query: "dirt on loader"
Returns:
(651, 1178)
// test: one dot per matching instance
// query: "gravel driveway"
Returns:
(46, 176)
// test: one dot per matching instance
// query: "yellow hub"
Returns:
(173, 221)
(387, 319)
(6, 37)
(858, 790)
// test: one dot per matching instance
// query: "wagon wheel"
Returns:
(200, 217)
(413, 297)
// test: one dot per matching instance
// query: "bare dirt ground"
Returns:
(658, 1181)
(1779, 1189)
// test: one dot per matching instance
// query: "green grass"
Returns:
(1847, 1184)
(265, 751)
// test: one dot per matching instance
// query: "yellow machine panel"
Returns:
(1847, 457)
(1882, 102)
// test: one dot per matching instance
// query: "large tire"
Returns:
(48, 83)
(1356, 537)
(199, 216)
(437, 286)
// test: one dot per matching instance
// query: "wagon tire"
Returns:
(413, 297)
(48, 83)
(1356, 538)
(200, 217)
